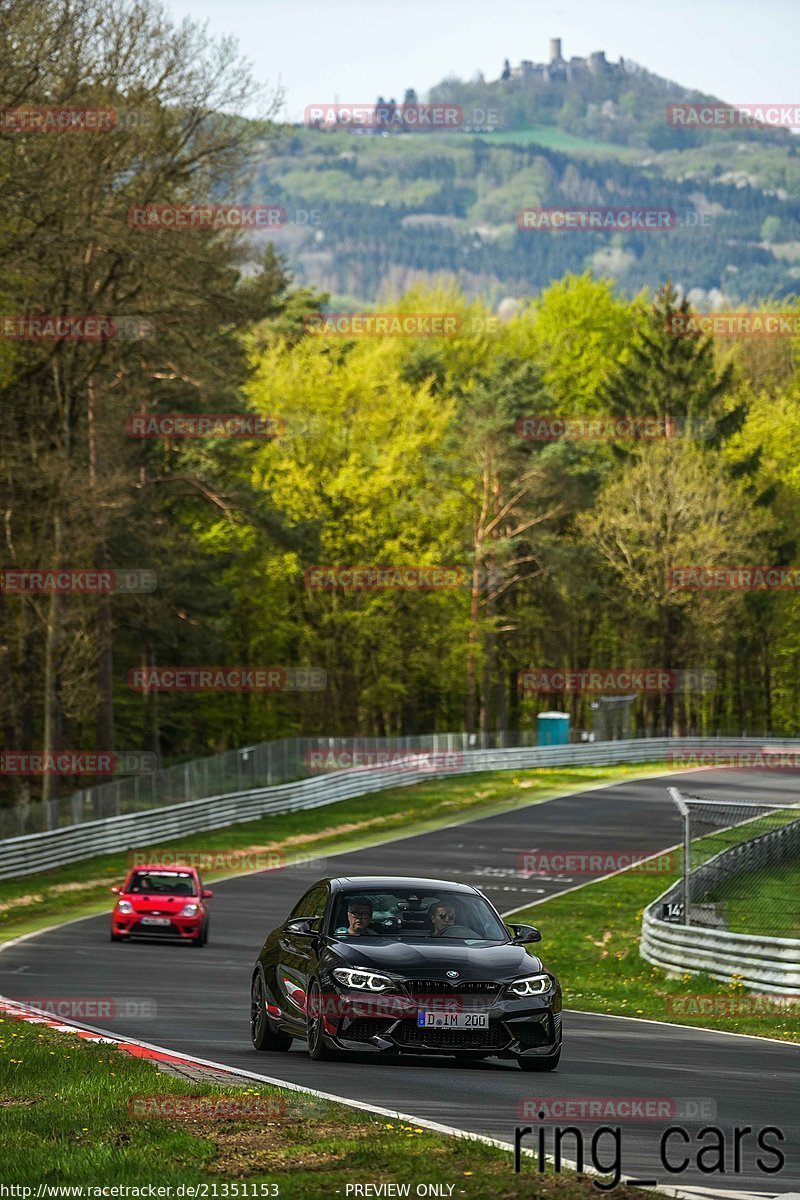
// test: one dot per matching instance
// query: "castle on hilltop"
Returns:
(559, 68)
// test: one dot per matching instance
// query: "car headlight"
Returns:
(363, 981)
(531, 985)
(124, 906)
(188, 910)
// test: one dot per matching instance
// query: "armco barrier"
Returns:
(42, 851)
(260, 765)
(763, 964)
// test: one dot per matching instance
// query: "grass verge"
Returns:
(81, 889)
(67, 1119)
(594, 949)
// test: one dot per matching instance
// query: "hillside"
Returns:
(382, 210)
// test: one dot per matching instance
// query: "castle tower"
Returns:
(555, 50)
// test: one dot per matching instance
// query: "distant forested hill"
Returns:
(379, 211)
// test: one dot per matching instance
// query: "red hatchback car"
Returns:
(161, 902)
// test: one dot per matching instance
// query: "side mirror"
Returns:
(304, 926)
(525, 934)
(115, 890)
(207, 893)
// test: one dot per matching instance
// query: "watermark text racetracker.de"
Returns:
(85, 327)
(365, 758)
(709, 577)
(215, 217)
(765, 758)
(405, 578)
(209, 217)
(227, 679)
(594, 862)
(706, 1005)
(600, 218)
(617, 1108)
(733, 116)
(201, 425)
(78, 762)
(54, 118)
(76, 581)
(380, 578)
(51, 118)
(401, 118)
(92, 1008)
(734, 324)
(209, 1108)
(397, 324)
(235, 861)
(553, 427)
(616, 680)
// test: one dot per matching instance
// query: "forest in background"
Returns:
(395, 451)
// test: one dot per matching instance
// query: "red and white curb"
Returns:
(39, 1016)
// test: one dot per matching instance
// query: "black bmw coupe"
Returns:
(395, 965)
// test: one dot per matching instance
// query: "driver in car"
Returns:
(359, 915)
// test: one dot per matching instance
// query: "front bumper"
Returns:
(179, 928)
(516, 1028)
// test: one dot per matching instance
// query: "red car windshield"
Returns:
(162, 883)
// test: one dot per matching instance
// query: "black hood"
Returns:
(433, 958)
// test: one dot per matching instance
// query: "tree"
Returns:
(675, 377)
(673, 506)
(70, 248)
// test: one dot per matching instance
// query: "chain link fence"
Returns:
(262, 765)
(741, 866)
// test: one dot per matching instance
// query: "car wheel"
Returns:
(116, 937)
(315, 1034)
(202, 936)
(540, 1064)
(262, 1035)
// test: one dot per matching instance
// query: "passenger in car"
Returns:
(443, 918)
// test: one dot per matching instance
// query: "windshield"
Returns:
(408, 914)
(162, 883)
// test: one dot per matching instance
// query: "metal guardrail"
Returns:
(42, 851)
(763, 964)
(263, 764)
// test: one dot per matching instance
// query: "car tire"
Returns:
(540, 1064)
(262, 1035)
(315, 1036)
(202, 936)
(116, 937)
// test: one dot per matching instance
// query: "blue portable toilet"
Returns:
(552, 729)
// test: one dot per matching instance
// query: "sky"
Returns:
(352, 51)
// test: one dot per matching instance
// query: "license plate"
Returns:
(457, 1020)
(155, 921)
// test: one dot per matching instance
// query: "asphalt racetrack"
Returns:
(199, 999)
